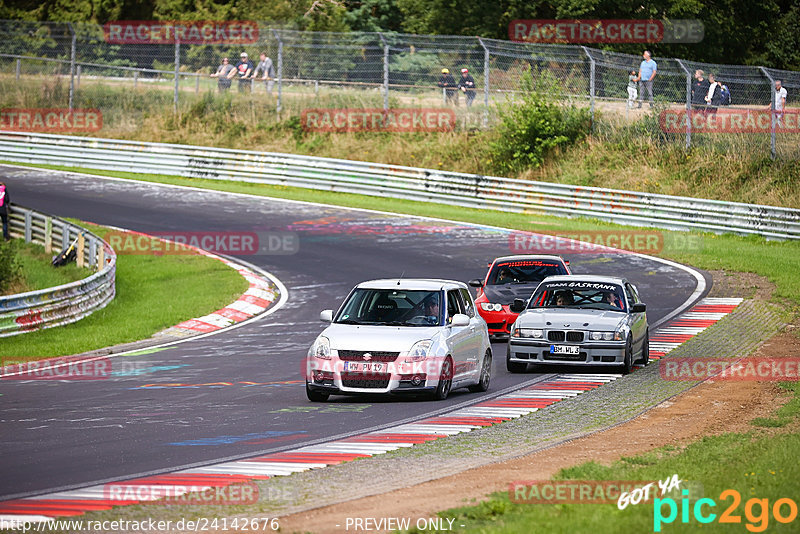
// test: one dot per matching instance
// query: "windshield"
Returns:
(392, 307)
(581, 295)
(524, 271)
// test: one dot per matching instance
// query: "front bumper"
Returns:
(498, 323)
(409, 377)
(608, 353)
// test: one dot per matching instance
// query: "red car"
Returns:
(509, 278)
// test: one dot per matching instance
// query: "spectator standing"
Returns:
(780, 101)
(268, 72)
(448, 83)
(243, 69)
(647, 71)
(699, 91)
(467, 86)
(713, 97)
(4, 207)
(631, 89)
(223, 82)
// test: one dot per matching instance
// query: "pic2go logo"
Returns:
(756, 511)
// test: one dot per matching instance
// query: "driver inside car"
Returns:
(431, 308)
(564, 298)
(611, 299)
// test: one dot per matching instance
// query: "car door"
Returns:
(458, 337)
(639, 320)
(476, 335)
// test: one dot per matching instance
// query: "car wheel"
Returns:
(486, 374)
(627, 361)
(445, 380)
(515, 367)
(316, 396)
(645, 357)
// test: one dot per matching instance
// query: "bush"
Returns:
(9, 264)
(529, 129)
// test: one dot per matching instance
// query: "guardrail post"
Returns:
(177, 72)
(101, 257)
(19, 67)
(28, 226)
(64, 236)
(385, 72)
(688, 103)
(591, 83)
(280, 71)
(92, 253)
(48, 235)
(72, 65)
(772, 111)
(485, 84)
(79, 260)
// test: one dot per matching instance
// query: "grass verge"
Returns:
(153, 293)
(35, 270)
(759, 465)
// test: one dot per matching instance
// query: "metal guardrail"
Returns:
(410, 183)
(55, 306)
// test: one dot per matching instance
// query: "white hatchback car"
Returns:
(401, 336)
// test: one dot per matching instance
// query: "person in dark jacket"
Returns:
(4, 207)
(448, 83)
(714, 95)
(467, 86)
(699, 91)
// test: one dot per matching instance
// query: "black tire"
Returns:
(486, 374)
(316, 396)
(445, 380)
(627, 362)
(515, 367)
(644, 359)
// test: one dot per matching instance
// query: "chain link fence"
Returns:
(386, 70)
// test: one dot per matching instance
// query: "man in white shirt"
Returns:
(780, 101)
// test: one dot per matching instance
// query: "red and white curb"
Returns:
(483, 414)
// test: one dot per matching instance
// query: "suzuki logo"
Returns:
(367, 356)
(566, 326)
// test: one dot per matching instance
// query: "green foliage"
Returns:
(529, 129)
(9, 264)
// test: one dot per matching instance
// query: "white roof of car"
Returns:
(522, 257)
(593, 278)
(424, 284)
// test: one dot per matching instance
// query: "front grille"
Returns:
(358, 356)
(560, 335)
(495, 326)
(564, 357)
(522, 355)
(360, 380)
(555, 335)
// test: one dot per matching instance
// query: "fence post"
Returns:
(591, 83)
(773, 115)
(72, 65)
(177, 71)
(280, 70)
(485, 83)
(385, 72)
(19, 65)
(135, 78)
(197, 84)
(79, 260)
(48, 235)
(688, 103)
(78, 76)
(28, 231)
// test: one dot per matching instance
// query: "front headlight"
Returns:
(419, 351)
(534, 333)
(492, 306)
(321, 348)
(605, 336)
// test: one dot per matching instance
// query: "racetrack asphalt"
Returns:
(241, 392)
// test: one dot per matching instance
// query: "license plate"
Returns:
(364, 366)
(565, 349)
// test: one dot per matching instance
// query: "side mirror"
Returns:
(639, 307)
(518, 306)
(460, 319)
(476, 282)
(326, 316)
